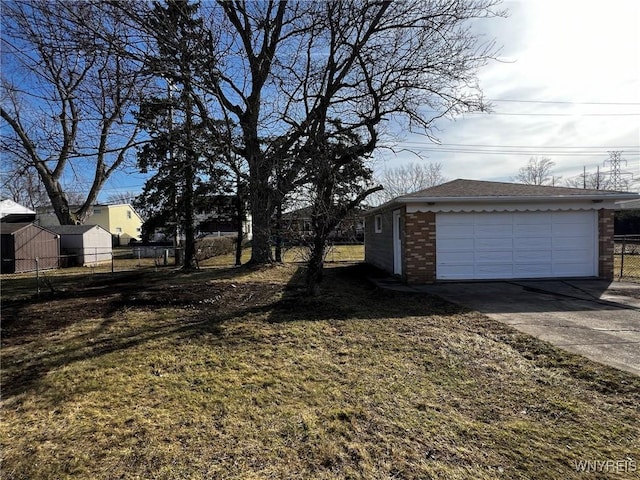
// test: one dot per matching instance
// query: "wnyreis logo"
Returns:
(606, 466)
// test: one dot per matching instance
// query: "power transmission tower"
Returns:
(616, 173)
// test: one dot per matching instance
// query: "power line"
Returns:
(561, 102)
(602, 147)
(511, 152)
(555, 114)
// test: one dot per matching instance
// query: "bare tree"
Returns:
(284, 70)
(537, 172)
(408, 178)
(21, 184)
(337, 185)
(598, 180)
(122, 197)
(67, 96)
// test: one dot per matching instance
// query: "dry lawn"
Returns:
(233, 374)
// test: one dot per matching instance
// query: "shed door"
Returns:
(502, 245)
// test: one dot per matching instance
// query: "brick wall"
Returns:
(420, 247)
(378, 247)
(605, 243)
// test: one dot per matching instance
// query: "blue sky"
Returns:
(566, 86)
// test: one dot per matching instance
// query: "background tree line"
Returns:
(266, 98)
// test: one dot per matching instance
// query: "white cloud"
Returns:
(553, 51)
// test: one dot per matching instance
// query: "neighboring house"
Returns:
(297, 224)
(84, 245)
(122, 221)
(468, 230)
(12, 212)
(27, 247)
(219, 218)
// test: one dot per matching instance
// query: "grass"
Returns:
(25, 285)
(233, 374)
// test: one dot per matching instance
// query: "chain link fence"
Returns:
(42, 274)
(627, 256)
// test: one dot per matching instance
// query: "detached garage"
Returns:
(474, 230)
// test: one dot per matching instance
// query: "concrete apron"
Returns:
(597, 319)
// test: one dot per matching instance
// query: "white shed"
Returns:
(84, 245)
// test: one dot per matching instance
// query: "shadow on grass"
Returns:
(196, 306)
(193, 304)
(347, 293)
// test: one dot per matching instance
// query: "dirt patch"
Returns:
(24, 319)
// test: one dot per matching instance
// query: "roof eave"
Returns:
(519, 198)
(596, 198)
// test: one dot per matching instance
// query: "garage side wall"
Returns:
(420, 247)
(605, 243)
(378, 246)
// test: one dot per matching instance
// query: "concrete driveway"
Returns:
(594, 318)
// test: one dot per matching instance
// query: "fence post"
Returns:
(37, 277)
(624, 247)
(112, 262)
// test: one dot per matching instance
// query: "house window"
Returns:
(129, 214)
(96, 210)
(377, 223)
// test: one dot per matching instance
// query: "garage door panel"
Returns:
(531, 257)
(494, 257)
(516, 245)
(572, 230)
(457, 258)
(533, 270)
(494, 271)
(533, 230)
(457, 245)
(533, 218)
(493, 231)
(494, 243)
(570, 270)
(570, 255)
(495, 218)
(458, 272)
(570, 243)
(532, 243)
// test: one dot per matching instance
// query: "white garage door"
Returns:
(516, 245)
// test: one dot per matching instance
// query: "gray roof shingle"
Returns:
(476, 188)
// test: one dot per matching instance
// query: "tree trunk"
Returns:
(261, 242)
(261, 211)
(278, 248)
(316, 265)
(240, 219)
(189, 230)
